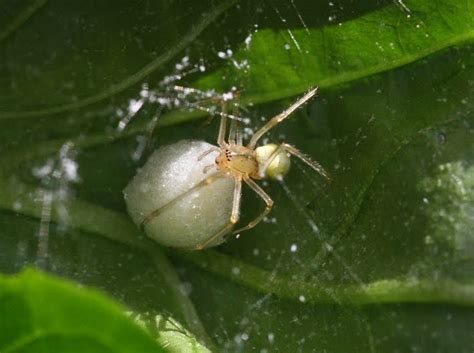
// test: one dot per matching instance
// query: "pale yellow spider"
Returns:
(244, 163)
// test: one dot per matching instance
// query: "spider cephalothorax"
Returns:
(239, 161)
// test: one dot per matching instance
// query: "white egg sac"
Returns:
(169, 174)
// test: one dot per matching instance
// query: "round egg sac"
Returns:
(163, 193)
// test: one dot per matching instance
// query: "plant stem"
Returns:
(117, 227)
(15, 22)
(379, 292)
(152, 66)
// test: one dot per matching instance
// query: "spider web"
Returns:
(173, 96)
(169, 94)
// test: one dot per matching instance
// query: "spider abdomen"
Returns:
(278, 166)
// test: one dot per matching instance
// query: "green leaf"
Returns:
(281, 63)
(382, 260)
(176, 338)
(40, 314)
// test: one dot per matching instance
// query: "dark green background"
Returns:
(391, 266)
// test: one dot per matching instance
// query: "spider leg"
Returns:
(306, 159)
(234, 217)
(206, 98)
(268, 208)
(222, 128)
(213, 112)
(208, 168)
(133, 111)
(152, 125)
(297, 153)
(210, 150)
(280, 117)
(235, 132)
(209, 180)
(223, 124)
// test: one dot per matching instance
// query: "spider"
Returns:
(246, 163)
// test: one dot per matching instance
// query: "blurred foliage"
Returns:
(39, 314)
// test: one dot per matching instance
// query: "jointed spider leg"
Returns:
(238, 133)
(152, 126)
(210, 179)
(190, 90)
(280, 117)
(295, 152)
(235, 134)
(137, 105)
(234, 217)
(205, 153)
(208, 168)
(268, 201)
(214, 112)
(222, 128)
(306, 159)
